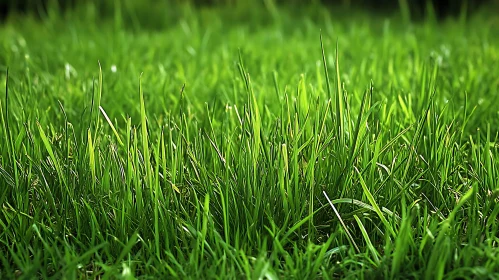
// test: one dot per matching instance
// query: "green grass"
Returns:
(236, 142)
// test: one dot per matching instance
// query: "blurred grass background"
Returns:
(418, 8)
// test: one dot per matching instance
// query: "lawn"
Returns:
(248, 141)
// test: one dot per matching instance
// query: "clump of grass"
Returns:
(231, 152)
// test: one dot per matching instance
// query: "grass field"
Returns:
(248, 142)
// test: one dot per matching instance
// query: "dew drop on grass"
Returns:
(67, 71)
(127, 272)
(22, 42)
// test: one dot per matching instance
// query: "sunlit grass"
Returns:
(234, 143)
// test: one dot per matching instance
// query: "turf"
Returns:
(248, 142)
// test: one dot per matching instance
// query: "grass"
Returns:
(235, 142)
